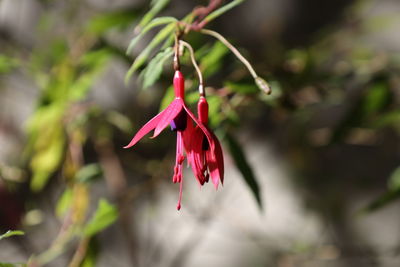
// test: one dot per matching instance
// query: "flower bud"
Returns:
(263, 85)
(202, 110)
(179, 84)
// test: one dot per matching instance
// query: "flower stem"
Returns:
(261, 83)
(177, 64)
(233, 49)
(196, 66)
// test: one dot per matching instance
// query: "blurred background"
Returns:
(312, 170)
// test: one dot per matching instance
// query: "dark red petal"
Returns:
(202, 127)
(191, 144)
(216, 163)
(150, 125)
(188, 135)
(196, 155)
(168, 115)
(220, 158)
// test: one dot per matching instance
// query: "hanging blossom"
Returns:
(204, 161)
(176, 115)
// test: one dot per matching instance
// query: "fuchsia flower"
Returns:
(205, 162)
(176, 115)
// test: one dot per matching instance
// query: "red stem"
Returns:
(201, 12)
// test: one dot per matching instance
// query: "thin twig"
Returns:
(177, 64)
(196, 66)
(201, 12)
(261, 83)
(80, 253)
(233, 49)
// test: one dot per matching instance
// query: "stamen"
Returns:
(181, 159)
(175, 177)
(178, 159)
(178, 207)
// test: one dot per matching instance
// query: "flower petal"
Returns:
(216, 163)
(150, 125)
(195, 154)
(191, 137)
(188, 134)
(202, 127)
(168, 115)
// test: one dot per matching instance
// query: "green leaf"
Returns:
(64, 202)
(154, 23)
(141, 59)
(389, 118)
(89, 173)
(394, 180)
(388, 197)
(168, 43)
(53, 54)
(214, 103)
(46, 159)
(242, 88)
(376, 99)
(11, 233)
(222, 10)
(191, 97)
(95, 62)
(96, 58)
(383, 200)
(244, 167)
(81, 86)
(102, 23)
(212, 61)
(91, 254)
(120, 121)
(105, 215)
(7, 264)
(7, 63)
(168, 98)
(157, 6)
(154, 69)
(37, 127)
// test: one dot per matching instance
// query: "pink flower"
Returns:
(205, 162)
(176, 115)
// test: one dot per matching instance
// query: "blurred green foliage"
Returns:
(11, 233)
(71, 140)
(105, 215)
